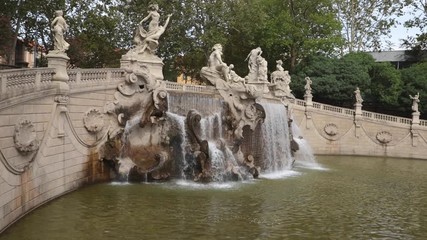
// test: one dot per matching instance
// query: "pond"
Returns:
(347, 198)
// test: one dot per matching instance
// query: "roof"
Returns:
(394, 56)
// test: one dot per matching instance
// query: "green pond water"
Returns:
(347, 198)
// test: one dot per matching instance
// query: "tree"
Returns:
(386, 86)
(300, 28)
(335, 79)
(365, 22)
(414, 81)
(419, 20)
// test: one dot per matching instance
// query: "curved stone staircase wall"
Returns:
(67, 158)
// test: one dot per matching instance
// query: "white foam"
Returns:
(280, 174)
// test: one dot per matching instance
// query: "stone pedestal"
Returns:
(136, 61)
(58, 61)
(261, 86)
(308, 98)
(358, 109)
(415, 118)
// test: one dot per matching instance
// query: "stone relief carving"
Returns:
(93, 120)
(331, 129)
(384, 137)
(25, 137)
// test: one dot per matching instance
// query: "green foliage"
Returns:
(365, 22)
(414, 80)
(335, 79)
(386, 84)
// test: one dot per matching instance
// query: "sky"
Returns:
(400, 32)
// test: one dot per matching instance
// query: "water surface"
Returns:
(349, 198)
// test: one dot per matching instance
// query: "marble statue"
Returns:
(217, 72)
(281, 80)
(415, 101)
(59, 26)
(359, 99)
(307, 86)
(257, 66)
(252, 59)
(148, 39)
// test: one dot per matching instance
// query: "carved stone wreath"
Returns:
(25, 137)
(384, 137)
(331, 129)
(93, 121)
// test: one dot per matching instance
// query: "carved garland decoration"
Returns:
(384, 137)
(331, 129)
(93, 121)
(25, 137)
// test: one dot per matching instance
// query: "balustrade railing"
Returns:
(23, 80)
(94, 76)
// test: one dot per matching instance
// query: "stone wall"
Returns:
(337, 131)
(45, 148)
(48, 146)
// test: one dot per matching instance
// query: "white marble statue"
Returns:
(307, 86)
(415, 101)
(59, 26)
(252, 59)
(148, 40)
(215, 62)
(358, 97)
(257, 66)
(281, 79)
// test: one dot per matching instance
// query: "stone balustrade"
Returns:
(20, 81)
(92, 77)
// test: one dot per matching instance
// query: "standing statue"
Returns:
(59, 28)
(257, 66)
(307, 86)
(252, 59)
(359, 99)
(149, 39)
(415, 101)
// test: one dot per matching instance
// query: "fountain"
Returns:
(238, 131)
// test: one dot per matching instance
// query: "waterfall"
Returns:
(275, 139)
(304, 157)
(181, 161)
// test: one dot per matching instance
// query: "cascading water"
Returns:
(275, 138)
(179, 122)
(304, 157)
(126, 164)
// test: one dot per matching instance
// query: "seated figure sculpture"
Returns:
(281, 80)
(217, 72)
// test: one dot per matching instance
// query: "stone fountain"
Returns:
(238, 131)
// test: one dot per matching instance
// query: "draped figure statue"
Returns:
(59, 26)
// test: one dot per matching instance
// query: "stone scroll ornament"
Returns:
(331, 129)
(384, 137)
(25, 137)
(93, 121)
